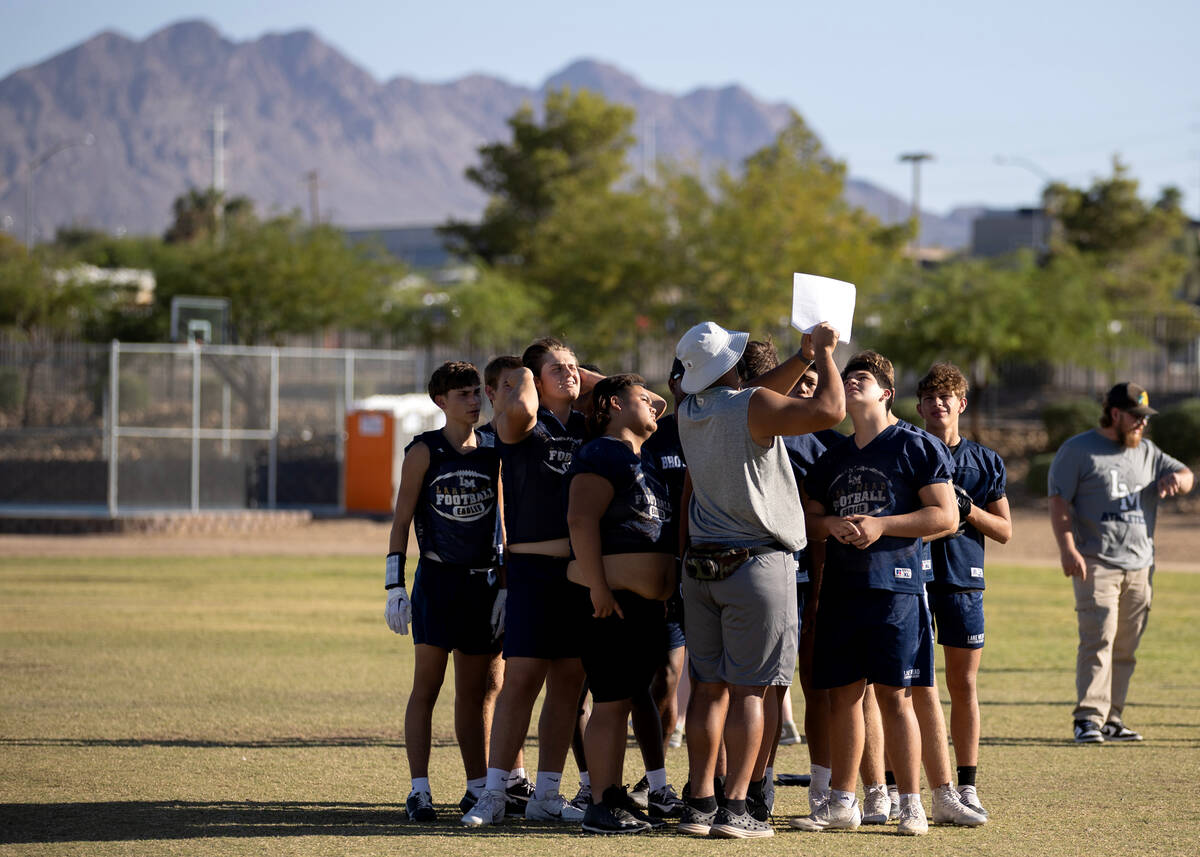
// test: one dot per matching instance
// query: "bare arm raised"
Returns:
(515, 406)
(773, 414)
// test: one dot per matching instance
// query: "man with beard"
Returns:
(1104, 489)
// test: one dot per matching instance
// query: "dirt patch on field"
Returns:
(1032, 542)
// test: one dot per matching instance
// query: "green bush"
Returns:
(1068, 418)
(1037, 478)
(906, 409)
(134, 392)
(1177, 430)
(12, 389)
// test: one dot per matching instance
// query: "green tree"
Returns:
(203, 214)
(784, 213)
(580, 142)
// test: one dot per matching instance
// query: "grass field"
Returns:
(253, 706)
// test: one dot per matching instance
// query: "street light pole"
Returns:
(31, 168)
(915, 158)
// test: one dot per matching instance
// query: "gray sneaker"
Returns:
(489, 809)
(553, 807)
(877, 806)
(583, 798)
(913, 821)
(726, 825)
(948, 808)
(695, 821)
(829, 815)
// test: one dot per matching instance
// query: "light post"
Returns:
(915, 158)
(31, 168)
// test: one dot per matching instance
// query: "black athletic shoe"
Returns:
(696, 821)
(1115, 730)
(641, 793)
(756, 802)
(607, 820)
(664, 803)
(517, 796)
(420, 807)
(726, 825)
(468, 802)
(1088, 732)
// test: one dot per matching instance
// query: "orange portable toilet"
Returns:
(377, 430)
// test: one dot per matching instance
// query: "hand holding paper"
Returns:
(817, 299)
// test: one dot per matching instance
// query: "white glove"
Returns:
(499, 608)
(399, 611)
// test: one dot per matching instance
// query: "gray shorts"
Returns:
(742, 630)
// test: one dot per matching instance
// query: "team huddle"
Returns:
(588, 543)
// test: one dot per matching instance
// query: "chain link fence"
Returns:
(133, 427)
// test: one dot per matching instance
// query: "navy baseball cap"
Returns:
(1130, 398)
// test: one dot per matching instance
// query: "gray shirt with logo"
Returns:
(1112, 494)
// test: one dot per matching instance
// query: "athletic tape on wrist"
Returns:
(394, 576)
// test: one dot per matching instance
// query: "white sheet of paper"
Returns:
(817, 299)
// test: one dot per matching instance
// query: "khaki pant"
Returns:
(1113, 606)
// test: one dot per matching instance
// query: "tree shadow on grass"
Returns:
(122, 821)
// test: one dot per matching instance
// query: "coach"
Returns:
(1104, 489)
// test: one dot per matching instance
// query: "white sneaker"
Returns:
(788, 734)
(913, 821)
(970, 797)
(894, 797)
(676, 739)
(553, 807)
(877, 806)
(948, 808)
(830, 815)
(489, 809)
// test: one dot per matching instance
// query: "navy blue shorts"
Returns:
(621, 655)
(452, 608)
(546, 613)
(871, 634)
(958, 616)
(675, 638)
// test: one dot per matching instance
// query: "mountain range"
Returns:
(302, 120)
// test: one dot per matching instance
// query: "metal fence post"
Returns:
(195, 426)
(273, 452)
(114, 409)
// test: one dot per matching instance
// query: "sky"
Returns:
(1054, 88)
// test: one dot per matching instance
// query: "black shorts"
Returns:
(546, 612)
(452, 607)
(621, 656)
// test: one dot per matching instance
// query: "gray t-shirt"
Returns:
(743, 494)
(1112, 493)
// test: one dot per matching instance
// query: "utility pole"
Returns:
(218, 170)
(915, 158)
(31, 168)
(314, 207)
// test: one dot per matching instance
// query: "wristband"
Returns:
(394, 576)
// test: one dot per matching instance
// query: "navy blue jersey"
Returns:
(455, 518)
(803, 450)
(927, 573)
(663, 453)
(535, 470)
(979, 472)
(882, 479)
(638, 518)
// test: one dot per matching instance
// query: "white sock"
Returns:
(842, 798)
(420, 784)
(547, 782)
(584, 779)
(495, 779)
(909, 800)
(657, 779)
(820, 778)
(514, 776)
(477, 785)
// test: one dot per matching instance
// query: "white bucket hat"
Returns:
(708, 351)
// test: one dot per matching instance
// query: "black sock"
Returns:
(704, 804)
(613, 797)
(889, 778)
(757, 788)
(736, 806)
(966, 775)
